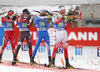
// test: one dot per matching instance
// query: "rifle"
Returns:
(69, 15)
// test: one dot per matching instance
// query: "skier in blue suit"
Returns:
(42, 26)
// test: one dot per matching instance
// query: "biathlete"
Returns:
(24, 23)
(60, 24)
(9, 25)
(42, 26)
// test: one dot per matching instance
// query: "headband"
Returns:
(61, 8)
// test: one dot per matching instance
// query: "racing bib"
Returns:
(41, 24)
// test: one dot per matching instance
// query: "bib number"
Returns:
(42, 24)
(9, 24)
(60, 24)
(24, 24)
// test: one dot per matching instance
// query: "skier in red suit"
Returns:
(9, 25)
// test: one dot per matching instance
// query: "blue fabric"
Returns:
(7, 24)
(41, 23)
(22, 25)
(42, 35)
(60, 25)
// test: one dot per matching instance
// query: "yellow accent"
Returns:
(71, 67)
(71, 16)
(32, 64)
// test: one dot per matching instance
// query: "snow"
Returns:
(15, 69)
(78, 61)
(75, 63)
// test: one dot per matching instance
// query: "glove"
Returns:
(65, 17)
(14, 18)
(49, 16)
(72, 19)
(31, 19)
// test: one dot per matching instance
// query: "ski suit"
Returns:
(9, 26)
(42, 33)
(24, 25)
(61, 34)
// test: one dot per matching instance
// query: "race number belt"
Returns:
(41, 29)
(60, 29)
(7, 29)
(24, 29)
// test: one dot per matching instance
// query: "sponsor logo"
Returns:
(83, 36)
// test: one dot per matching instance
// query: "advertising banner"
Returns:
(76, 36)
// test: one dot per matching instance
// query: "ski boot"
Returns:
(14, 60)
(0, 58)
(32, 62)
(53, 63)
(50, 62)
(68, 66)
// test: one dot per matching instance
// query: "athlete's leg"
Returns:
(29, 43)
(65, 46)
(20, 40)
(56, 46)
(65, 43)
(38, 41)
(12, 40)
(47, 43)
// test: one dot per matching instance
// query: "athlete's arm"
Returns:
(37, 17)
(47, 25)
(4, 20)
(56, 20)
(30, 23)
(14, 25)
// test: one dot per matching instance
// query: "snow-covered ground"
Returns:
(77, 61)
(15, 69)
(77, 64)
